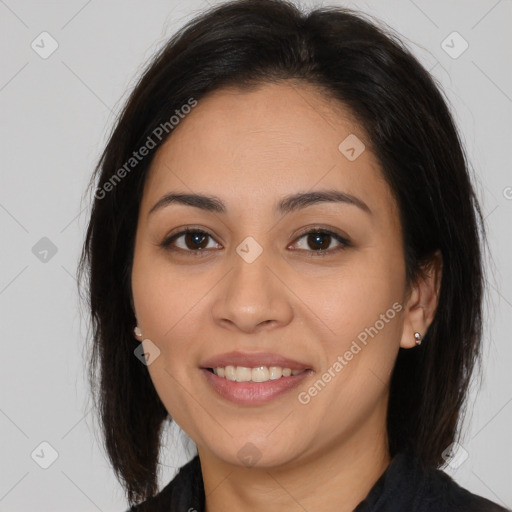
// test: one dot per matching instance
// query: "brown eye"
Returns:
(195, 240)
(321, 242)
(190, 240)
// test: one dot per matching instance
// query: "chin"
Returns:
(257, 452)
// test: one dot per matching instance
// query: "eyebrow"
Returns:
(288, 204)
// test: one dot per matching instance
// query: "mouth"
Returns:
(256, 374)
(253, 378)
(253, 386)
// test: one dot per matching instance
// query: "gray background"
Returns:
(55, 115)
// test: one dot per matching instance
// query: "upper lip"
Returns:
(253, 360)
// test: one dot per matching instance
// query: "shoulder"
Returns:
(441, 493)
(184, 493)
(436, 491)
(408, 486)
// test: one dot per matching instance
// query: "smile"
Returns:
(250, 392)
(257, 374)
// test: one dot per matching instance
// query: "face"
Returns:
(293, 259)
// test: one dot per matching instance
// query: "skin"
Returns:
(251, 148)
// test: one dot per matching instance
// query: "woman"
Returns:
(284, 258)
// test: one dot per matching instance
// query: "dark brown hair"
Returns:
(411, 132)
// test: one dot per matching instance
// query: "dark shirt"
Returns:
(403, 487)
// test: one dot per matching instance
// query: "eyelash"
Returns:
(344, 243)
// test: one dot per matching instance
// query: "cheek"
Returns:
(357, 310)
(354, 297)
(168, 306)
(166, 302)
(359, 317)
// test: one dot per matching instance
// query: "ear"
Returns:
(422, 301)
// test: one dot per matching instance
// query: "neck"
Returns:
(336, 478)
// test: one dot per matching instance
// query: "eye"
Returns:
(317, 241)
(321, 241)
(190, 240)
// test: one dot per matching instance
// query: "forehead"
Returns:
(272, 140)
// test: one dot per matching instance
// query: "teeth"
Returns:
(275, 372)
(230, 373)
(258, 374)
(243, 374)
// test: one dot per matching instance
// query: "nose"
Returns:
(252, 298)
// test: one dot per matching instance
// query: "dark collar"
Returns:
(404, 486)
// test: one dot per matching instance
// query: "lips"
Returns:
(253, 393)
(253, 360)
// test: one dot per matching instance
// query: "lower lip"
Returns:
(253, 393)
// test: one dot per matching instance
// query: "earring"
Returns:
(137, 332)
(417, 338)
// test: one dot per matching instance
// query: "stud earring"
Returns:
(417, 338)
(137, 332)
